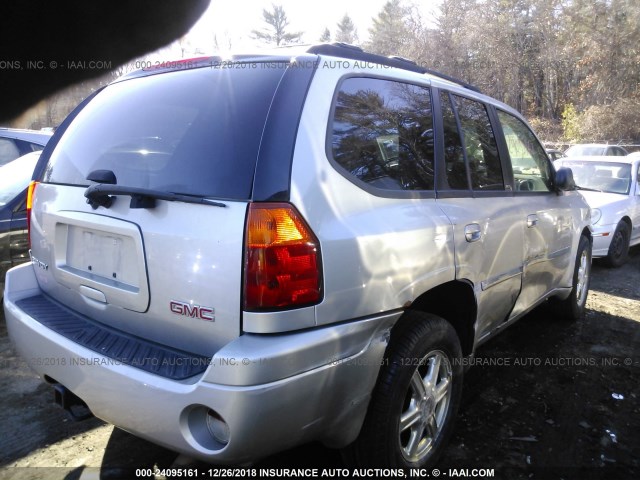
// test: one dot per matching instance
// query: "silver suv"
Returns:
(231, 258)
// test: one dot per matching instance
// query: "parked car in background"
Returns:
(610, 186)
(14, 180)
(15, 142)
(597, 149)
(555, 154)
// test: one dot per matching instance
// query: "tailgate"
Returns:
(163, 260)
(178, 283)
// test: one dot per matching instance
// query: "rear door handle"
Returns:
(532, 220)
(472, 232)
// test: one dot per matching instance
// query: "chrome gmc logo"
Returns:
(192, 311)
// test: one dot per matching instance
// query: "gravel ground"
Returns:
(546, 399)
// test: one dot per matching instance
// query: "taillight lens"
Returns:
(30, 192)
(282, 259)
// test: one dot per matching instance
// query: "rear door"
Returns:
(166, 271)
(488, 230)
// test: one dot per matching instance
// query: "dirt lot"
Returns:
(546, 399)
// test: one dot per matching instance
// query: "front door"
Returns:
(548, 215)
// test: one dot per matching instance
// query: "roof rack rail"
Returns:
(402, 59)
(354, 52)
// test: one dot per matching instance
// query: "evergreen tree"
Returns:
(347, 32)
(326, 36)
(390, 34)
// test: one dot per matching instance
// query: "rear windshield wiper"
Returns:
(100, 196)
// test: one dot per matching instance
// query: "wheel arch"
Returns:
(628, 221)
(455, 302)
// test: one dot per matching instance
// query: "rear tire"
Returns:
(572, 308)
(619, 247)
(416, 398)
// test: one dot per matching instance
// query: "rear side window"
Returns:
(617, 152)
(8, 151)
(382, 134)
(34, 147)
(468, 130)
(194, 132)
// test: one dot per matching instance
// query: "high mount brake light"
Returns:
(30, 192)
(282, 259)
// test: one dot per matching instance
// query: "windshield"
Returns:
(193, 132)
(604, 176)
(16, 175)
(577, 150)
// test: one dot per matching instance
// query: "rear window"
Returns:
(194, 132)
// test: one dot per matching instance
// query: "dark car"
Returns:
(555, 154)
(16, 142)
(14, 180)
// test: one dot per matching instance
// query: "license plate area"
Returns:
(101, 255)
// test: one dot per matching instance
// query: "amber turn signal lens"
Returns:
(282, 259)
(30, 192)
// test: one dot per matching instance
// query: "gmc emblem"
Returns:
(192, 311)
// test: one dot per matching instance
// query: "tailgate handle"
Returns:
(93, 294)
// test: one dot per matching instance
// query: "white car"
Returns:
(595, 149)
(610, 186)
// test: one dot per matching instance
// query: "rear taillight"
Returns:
(30, 192)
(282, 259)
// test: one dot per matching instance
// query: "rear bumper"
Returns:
(270, 393)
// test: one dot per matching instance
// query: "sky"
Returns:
(232, 21)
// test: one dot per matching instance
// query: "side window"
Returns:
(453, 150)
(8, 151)
(382, 133)
(34, 147)
(480, 145)
(531, 167)
(471, 152)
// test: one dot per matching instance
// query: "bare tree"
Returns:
(225, 43)
(275, 32)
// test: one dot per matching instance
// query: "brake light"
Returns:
(282, 259)
(30, 192)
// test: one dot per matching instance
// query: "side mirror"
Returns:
(564, 179)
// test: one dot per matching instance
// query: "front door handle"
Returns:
(472, 232)
(532, 220)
